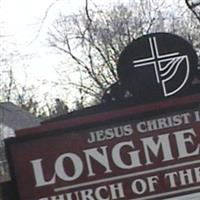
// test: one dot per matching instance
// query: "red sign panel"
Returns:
(141, 158)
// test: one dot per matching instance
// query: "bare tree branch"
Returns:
(43, 21)
(95, 37)
(191, 8)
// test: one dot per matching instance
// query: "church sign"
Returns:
(140, 158)
(133, 152)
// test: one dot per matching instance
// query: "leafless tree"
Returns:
(94, 38)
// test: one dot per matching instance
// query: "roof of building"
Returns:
(15, 117)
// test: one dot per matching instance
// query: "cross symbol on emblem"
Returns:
(165, 66)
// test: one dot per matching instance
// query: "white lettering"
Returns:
(39, 175)
(139, 186)
(186, 177)
(117, 158)
(101, 158)
(183, 138)
(117, 191)
(98, 193)
(163, 143)
(172, 177)
(152, 181)
(61, 170)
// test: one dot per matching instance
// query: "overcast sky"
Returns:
(20, 21)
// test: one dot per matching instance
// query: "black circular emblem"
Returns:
(157, 65)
